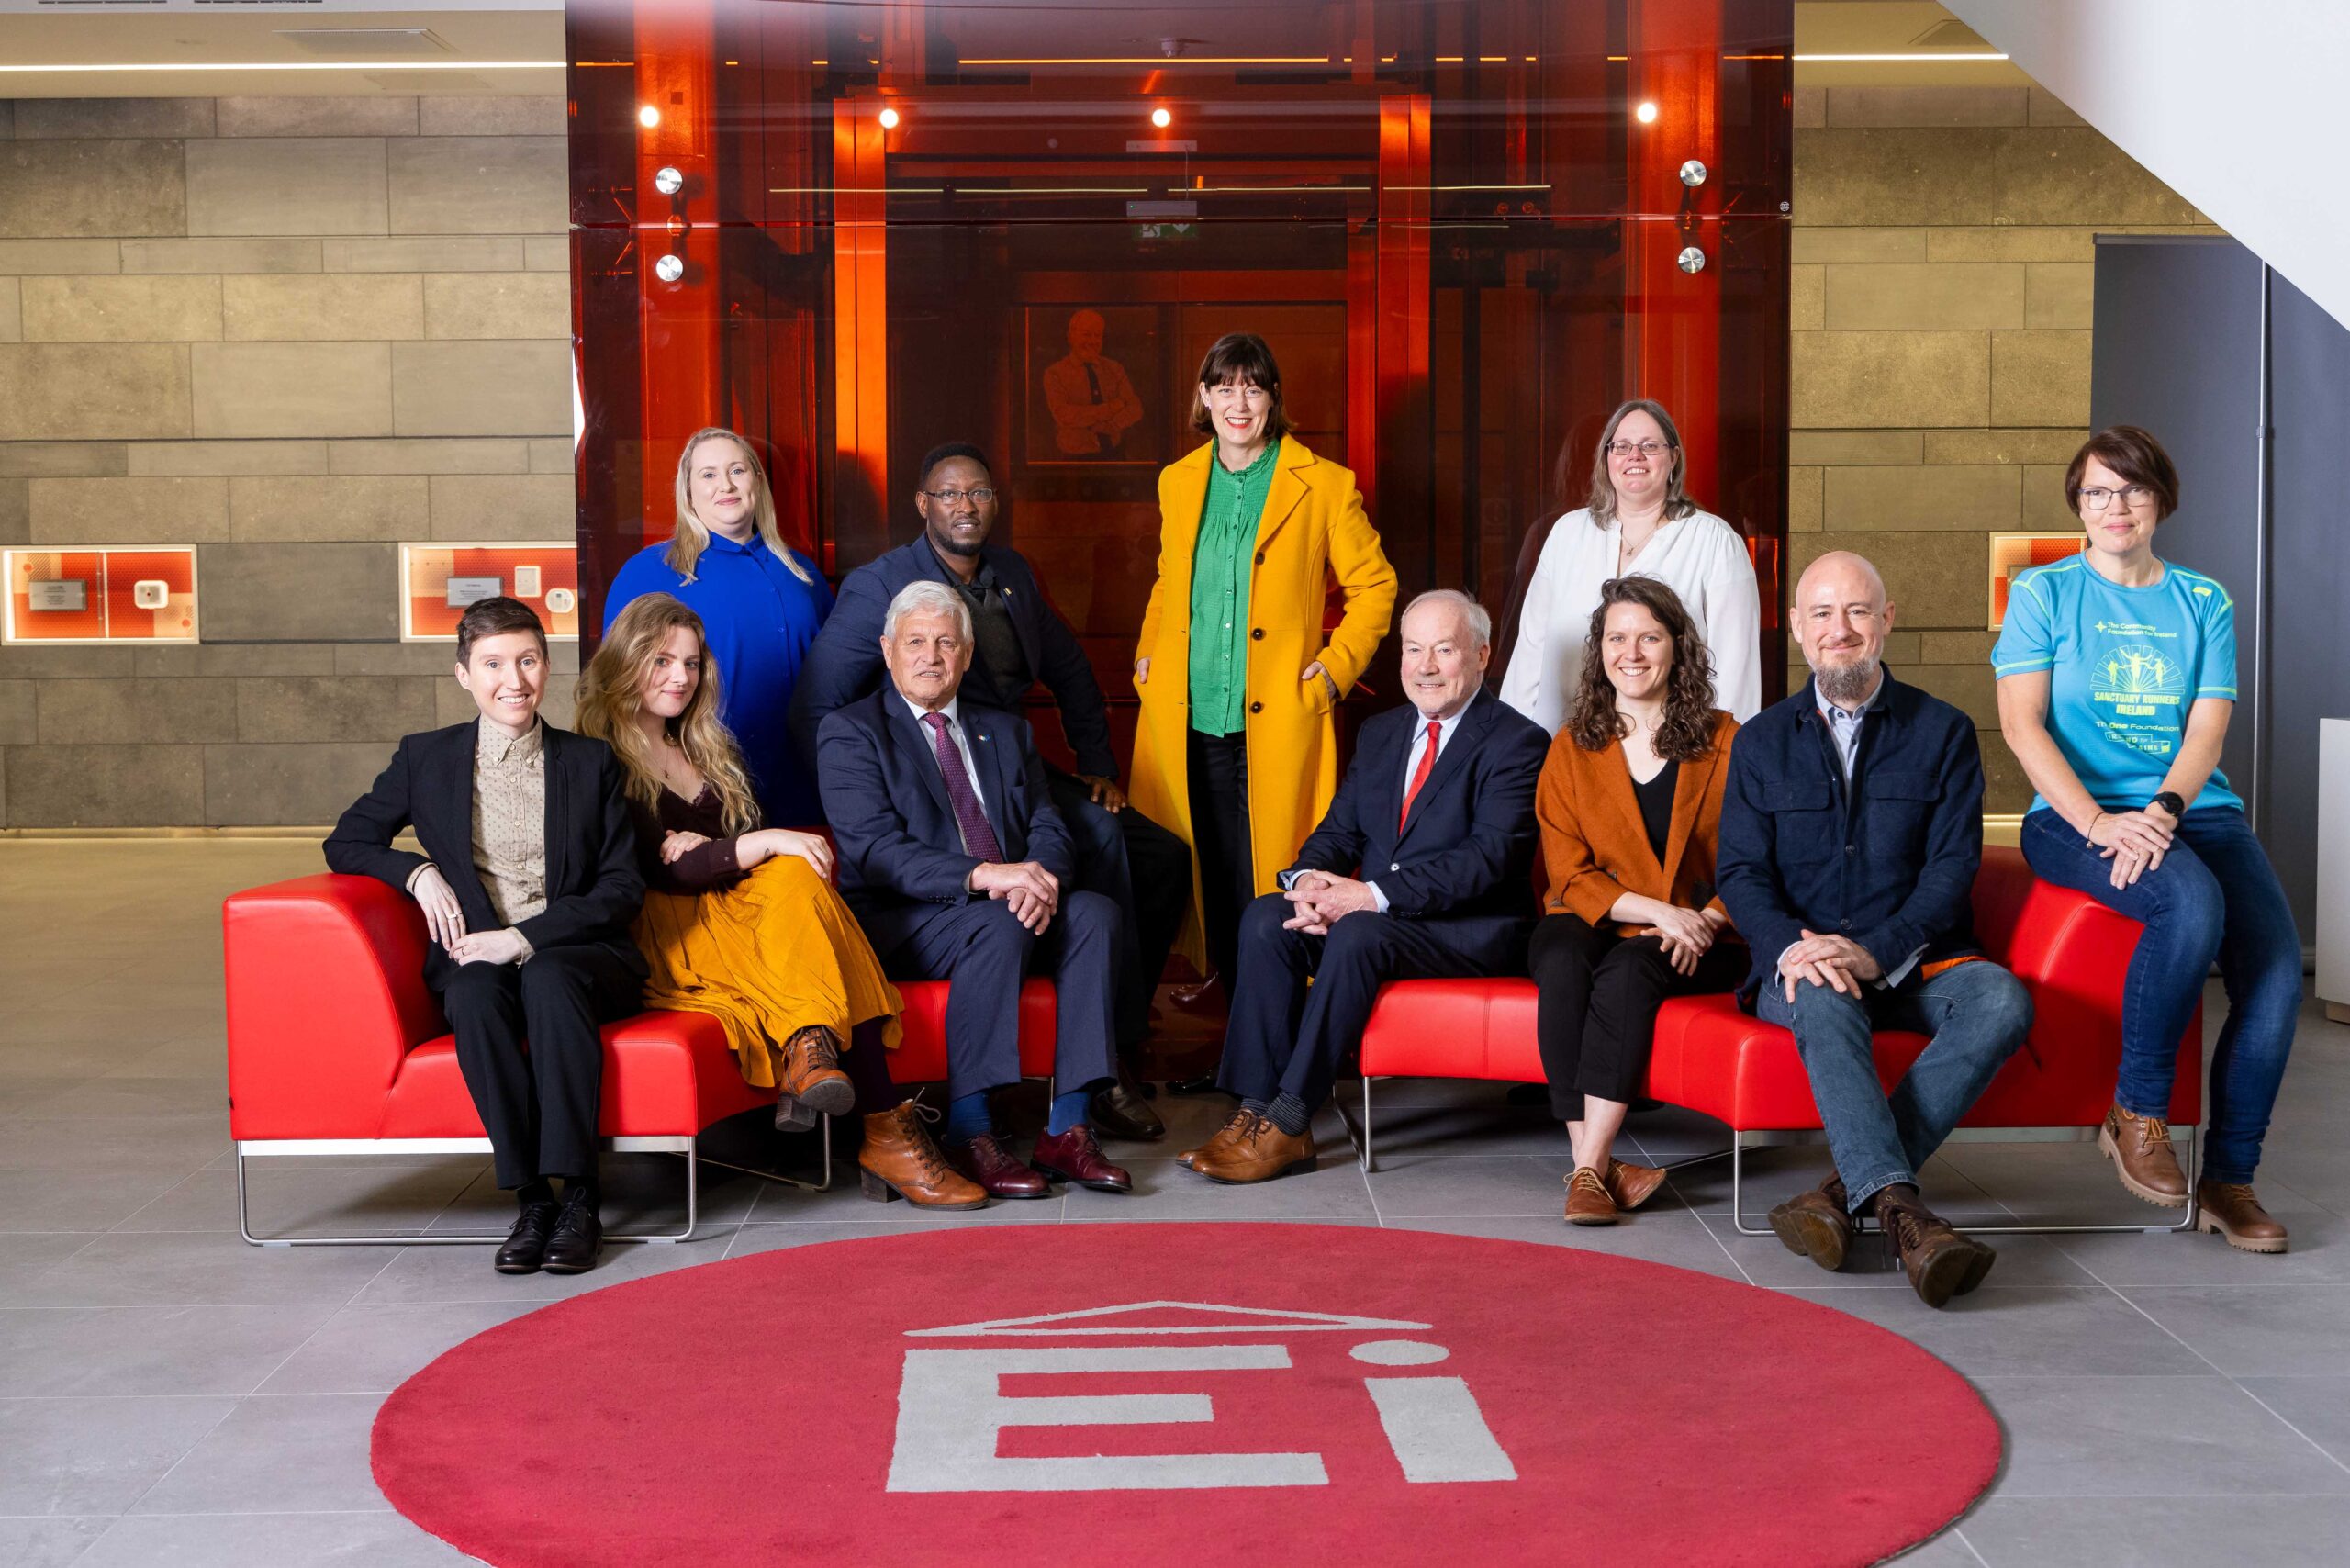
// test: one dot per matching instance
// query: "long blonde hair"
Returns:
(691, 537)
(611, 690)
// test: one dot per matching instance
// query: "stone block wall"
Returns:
(295, 331)
(1943, 258)
(292, 332)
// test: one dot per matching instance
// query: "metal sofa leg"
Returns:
(453, 1237)
(1737, 1186)
(823, 1185)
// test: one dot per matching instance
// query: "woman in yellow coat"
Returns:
(1237, 751)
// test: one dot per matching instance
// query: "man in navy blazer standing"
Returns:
(958, 866)
(1852, 832)
(1437, 812)
(1018, 641)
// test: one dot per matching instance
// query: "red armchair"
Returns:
(2070, 951)
(336, 1048)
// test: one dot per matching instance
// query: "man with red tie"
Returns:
(1419, 871)
(959, 868)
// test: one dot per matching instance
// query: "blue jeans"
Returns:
(2214, 896)
(1976, 1015)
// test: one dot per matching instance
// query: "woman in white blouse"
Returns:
(1639, 519)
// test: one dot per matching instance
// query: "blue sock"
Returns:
(1068, 1110)
(968, 1117)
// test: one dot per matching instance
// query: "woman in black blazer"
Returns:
(528, 882)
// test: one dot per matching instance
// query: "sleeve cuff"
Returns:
(1378, 896)
(528, 952)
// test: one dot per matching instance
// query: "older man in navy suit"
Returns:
(1436, 812)
(958, 866)
(1018, 641)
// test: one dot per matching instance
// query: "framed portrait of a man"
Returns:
(1092, 374)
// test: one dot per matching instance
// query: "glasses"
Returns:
(2097, 498)
(982, 496)
(1644, 448)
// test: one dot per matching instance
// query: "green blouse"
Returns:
(1222, 563)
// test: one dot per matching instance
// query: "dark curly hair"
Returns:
(1687, 732)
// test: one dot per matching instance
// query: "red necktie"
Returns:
(1419, 774)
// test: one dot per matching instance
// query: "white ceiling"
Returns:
(199, 38)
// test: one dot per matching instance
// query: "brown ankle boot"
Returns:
(2140, 1149)
(1815, 1225)
(1940, 1263)
(2233, 1214)
(901, 1161)
(809, 1080)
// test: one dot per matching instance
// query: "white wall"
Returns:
(2241, 109)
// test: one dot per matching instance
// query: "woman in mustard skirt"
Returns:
(740, 921)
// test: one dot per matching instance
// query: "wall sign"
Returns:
(99, 594)
(2011, 553)
(438, 581)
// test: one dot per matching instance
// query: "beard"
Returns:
(1846, 684)
(942, 539)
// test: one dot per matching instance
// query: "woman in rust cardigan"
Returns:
(1631, 803)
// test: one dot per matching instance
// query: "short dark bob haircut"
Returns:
(2134, 454)
(1243, 357)
(495, 617)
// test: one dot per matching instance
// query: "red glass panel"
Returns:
(1446, 218)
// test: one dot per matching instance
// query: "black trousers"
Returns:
(1597, 999)
(1289, 1038)
(538, 1107)
(1146, 872)
(1219, 772)
(983, 953)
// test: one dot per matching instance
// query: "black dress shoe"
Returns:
(526, 1244)
(1119, 1110)
(578, 1235)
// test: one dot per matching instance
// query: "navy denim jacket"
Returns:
(1890, 863)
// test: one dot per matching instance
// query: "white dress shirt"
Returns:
(1700, 557)
(1445, 730)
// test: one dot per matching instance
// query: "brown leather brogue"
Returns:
(899, 1161)
(1588, 1199)
(1073, 1156)
(1259, 1152)
(1940, 1263)
(2140, 1149)
(2233, 1214)
(809, 1080)
(985, 1160)
(1815, 1225)
(1234, 1125)
(1632, 1185)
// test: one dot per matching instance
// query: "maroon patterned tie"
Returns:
(979, 838)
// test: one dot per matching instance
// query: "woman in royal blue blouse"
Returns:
(760, 600)
(2117, 676)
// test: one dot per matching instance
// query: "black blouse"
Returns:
(699, 870)
(1656, 806)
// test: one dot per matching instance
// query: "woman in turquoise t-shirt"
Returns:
(2117, 676)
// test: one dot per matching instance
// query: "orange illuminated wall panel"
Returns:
(437, 581)
(103, 594)
(2011, 553)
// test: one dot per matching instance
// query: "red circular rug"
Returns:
(1171, 1394)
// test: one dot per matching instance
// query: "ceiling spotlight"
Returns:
(1645, 114)
(1691, 260)
(1162, 118)
(1693, 173)
(888, 119)
(668, 181)
(669, 268)
(648, 116)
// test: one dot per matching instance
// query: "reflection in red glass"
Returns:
(1444, 215)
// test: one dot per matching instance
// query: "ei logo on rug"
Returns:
(954, 1412)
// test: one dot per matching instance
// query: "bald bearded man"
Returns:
(1852, 832)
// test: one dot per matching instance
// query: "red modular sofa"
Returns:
(336, 1048)
(2070, 951)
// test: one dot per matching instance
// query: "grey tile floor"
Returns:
(169, 1394)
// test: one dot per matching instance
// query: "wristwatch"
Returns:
(2169, 801)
